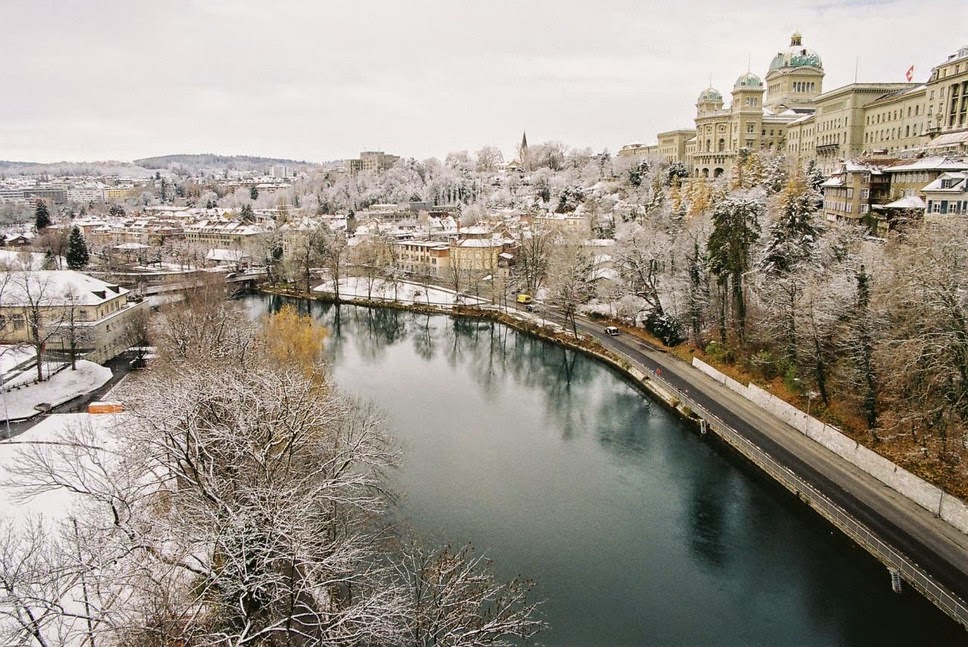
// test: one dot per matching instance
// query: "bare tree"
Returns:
(41, 309)
(333, 255)
(241, 501)
(452, 599)
(569, 284)
(533, 258)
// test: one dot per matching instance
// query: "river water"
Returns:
(637, 531)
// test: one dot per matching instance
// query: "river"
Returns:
(637, 531)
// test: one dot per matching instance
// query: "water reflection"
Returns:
(637, 531)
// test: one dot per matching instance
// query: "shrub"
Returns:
(666, 327)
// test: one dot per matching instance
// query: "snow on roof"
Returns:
(225, 255)
(479, 242)
(956, 181)
(907, 202)
(124, 246)
(604, 273)
(851, 166)
(936, 163)
(25, 235)
(58, 288)
(949, 139)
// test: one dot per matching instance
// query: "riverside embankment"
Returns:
(923, 550)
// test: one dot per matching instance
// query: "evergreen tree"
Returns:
(773, 174)
(253, 193)
(246, 214)
(864, 349)
(675, 174)
(815, 176)
(41, 216)
(77, 255)
(793, 236)
(736, 227)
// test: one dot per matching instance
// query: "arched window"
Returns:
(722, 145)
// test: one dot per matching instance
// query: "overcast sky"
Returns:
(319, 80)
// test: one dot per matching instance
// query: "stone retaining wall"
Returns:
(931, 498)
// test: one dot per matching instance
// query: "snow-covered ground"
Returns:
(56, 503)
(64, 386)
(24, 511)
(402, 292)
(13, 356)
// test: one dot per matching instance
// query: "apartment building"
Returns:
(68, 307)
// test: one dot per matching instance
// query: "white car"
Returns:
(611, 331)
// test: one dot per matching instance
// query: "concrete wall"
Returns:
(929, 497)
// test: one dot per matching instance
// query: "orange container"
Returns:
(105, 407)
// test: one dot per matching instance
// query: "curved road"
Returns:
(933, 544)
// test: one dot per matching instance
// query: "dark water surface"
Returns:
(637, 531)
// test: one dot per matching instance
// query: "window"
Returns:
(749, 128)
(865, 194)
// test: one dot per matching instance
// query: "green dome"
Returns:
(796, 55)
(748, 81)
(710, 95)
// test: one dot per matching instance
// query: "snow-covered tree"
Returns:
(242, 503)
(736, 227)
(793, 235)
(569, 279)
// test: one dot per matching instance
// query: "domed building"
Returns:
(789, 112)
(795, 77)
(757, 117)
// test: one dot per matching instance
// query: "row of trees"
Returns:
(242, 500)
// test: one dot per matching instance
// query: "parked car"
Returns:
(611, 331)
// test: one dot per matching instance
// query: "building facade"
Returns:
(65, 308)
(789, 112)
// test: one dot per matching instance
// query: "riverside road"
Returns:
(938, 548)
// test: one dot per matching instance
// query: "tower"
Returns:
(747, 111)
(523, 158)
(795, 77)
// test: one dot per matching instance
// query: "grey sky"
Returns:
(320, 80)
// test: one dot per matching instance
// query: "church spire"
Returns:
(524, 141)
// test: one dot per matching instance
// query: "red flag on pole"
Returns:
(909, 74)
